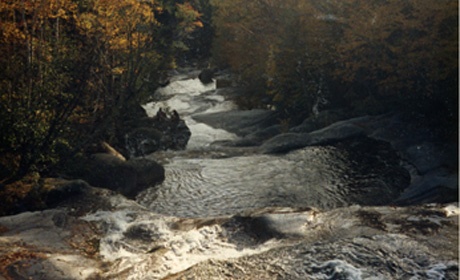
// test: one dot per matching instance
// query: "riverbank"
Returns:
(253, 202)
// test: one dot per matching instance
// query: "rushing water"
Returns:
(234, 213)
(324, 177)
(189, 96)
(314, 176)
(228, 212)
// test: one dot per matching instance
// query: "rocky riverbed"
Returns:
(338, 197)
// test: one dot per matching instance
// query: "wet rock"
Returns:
(432, 164)
(335, 132)
(126, 177)
(206, 76)
(240, 122)
(48, 245)
(289, 141)
(278, 223)
(259, 136)
(143, 141)
(63, 190)
(438, 185)
(286, 142)
(268, 243)
(162, 132)
(148, 173)
(176, 136)
(323, 119)
(348, 243)
(427, 156)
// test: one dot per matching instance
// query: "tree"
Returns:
(281, 49)
(199, 42)
(295, 54)
(72, 70)
(36, 99)
(406, 49)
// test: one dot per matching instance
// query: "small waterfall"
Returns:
(259, 216)
(189, 97)
(230, 212)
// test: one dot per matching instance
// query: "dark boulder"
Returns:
(165, 131)
(110, 172)
(126, 177)
(148, 172)
(143, 141)
(176, 136)
(323, 119)
(63, 190)
(206, 76)
(259, 136)
(286, 142)
(290, 141)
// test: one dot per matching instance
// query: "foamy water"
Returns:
(190, 97)
(150, 246)
(192, 220)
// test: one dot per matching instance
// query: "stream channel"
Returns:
(226, 211)
(317, 212)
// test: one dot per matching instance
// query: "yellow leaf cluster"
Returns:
(117, 22)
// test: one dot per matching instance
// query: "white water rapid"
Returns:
(225, 211)
(255, 216)
(189, 96)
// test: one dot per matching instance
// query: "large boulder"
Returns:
(240, 122)
(206, 76)
(289, 141)
(165, 131)
(259, 136)
(323, 119)
(148, 172)
(143, 141)
(59, 190)
(431, 161)
(126, 177)
(176, 136)
(286, 142)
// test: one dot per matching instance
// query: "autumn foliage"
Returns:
(367, 55)
(71, 68)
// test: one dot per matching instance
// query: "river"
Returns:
(209, 180)
(227, 211)
(231, 212)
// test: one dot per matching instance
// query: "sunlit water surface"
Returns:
(322, 177)
(215, 183)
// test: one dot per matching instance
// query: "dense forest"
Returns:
(295, 54)
(72, 69)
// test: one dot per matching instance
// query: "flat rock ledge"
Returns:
(433, 165)
(286, 243)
